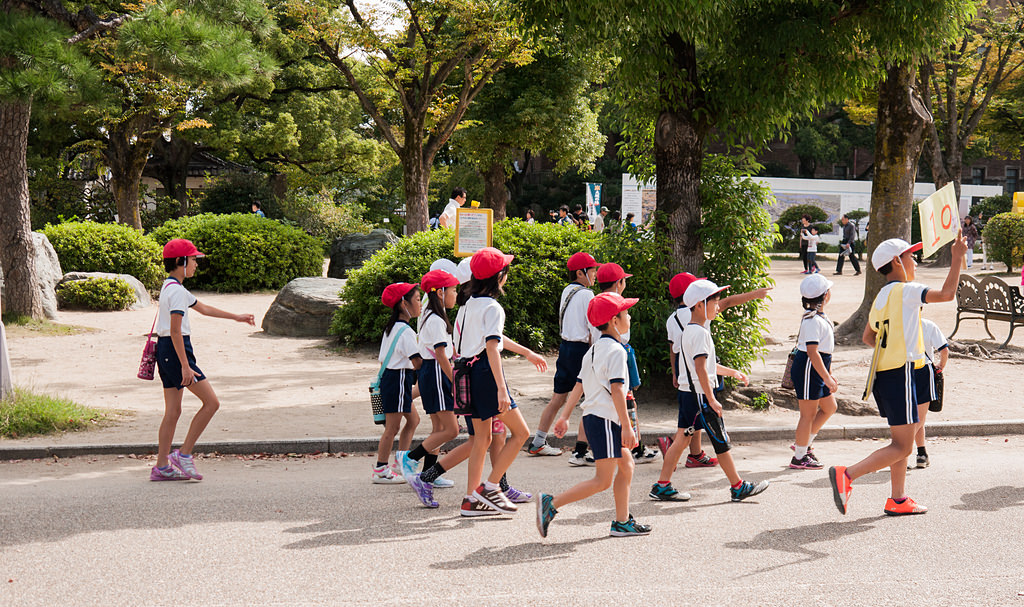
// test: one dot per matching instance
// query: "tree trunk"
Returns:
(279, 185)
(899, 135)
(127, 152)
(495, 194)
(415, 178)
(173, 175)
(17, 254)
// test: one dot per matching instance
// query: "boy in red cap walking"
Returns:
(176, 362)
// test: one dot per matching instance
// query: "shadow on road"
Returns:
(511, 555)
(992, 500)
(795, 540)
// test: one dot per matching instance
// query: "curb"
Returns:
(369, 444)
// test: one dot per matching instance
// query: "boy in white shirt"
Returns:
(928, 381)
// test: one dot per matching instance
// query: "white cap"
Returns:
(699, 290)
(463, 271)
(814, 286)
(894, 247)
(444, 264)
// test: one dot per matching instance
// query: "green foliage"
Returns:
(737, 233)
(38, 64)
(1004, 239)
(96, 294)
(25, 413)
(87, 246)
(320, 216)
(992, 206)
(55, 200)
(761, 402)
(245, 252)
(789, 224)
(235, 193)
(164, 209)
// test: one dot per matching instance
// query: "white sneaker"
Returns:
(587, 460)
(386, 476)
(544, 449)
(443, 483)
(647, 456)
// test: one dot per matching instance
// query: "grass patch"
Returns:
(24, 413)
(26, 326)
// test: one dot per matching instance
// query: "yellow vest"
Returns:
(890, 342)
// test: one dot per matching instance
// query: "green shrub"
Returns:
(789, 224)
(235, 193)
(245, 252)
(24, 413)
(1004, 238)
(320, 216)
(96, 294)
(87, 246)
(992, 206)
(164, 209)
(56, 200)
(535, 283)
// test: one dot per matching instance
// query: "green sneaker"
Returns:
(667, 493)
(545, 513)
(630, 527)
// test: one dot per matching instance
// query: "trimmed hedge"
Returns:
(96, 294)
(245, 252)
(87, 246)
(1004, 239)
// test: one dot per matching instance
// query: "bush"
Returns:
(56, 200)
(789, 224)
(164, 209)
(1004, 238)
(87, 246)
(96, 294)
(320, 216)
(992, 206)
(235, 193)
(535, 283)
(245, 252)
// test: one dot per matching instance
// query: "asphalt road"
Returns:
(297, 531)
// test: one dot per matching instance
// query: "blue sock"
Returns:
(180, 454)
(164, 468)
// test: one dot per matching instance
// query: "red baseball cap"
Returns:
(394, 293)
(437, 279)
(488, 261)
(610, 272)
(180, 247)
(607, 306)
(677, 286)
(581, 261)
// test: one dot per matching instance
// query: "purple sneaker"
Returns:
(424, 491)
(518, 497)
(185, 464)
(170, 474)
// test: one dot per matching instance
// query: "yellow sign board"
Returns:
(1018, 202)
(940, 219)
(473, 230)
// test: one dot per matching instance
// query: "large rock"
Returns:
(304, 307)
(142, 299)
(48, 273)
(349, 252)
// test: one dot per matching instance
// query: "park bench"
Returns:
(989, 299)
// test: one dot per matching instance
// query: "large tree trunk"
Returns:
(899, 135)
(127, 152)
(415, 178)
(495, 194)
(173, 175)
(17, 254)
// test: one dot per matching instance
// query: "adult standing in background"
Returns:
(846, 246)
(805, 222)
(971, 235)
(599, 220)
(447, 218)
(529, 216)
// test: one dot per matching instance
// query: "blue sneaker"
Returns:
(667, 493)
(424, 491)
(747, 489)
(406, 465)
(545, 513)
(629, 528)
(443, 483)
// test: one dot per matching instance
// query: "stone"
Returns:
(48, 273)
(349, 252)
(142, 299)
(304, 307)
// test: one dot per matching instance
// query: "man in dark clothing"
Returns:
(846, 247)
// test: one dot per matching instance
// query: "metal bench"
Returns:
(970, 303)
(989, 299)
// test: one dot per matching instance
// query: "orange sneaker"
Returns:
(908, 506)
(840, 486)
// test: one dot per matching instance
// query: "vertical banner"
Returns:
(1018, 202)
(593, 200)
(940, 220)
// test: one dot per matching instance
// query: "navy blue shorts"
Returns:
(435, 388)
(396, 390)
(483, 391)
(604, 437)
(809, 385)
(694, 412)
(169, 366)
(924, 383)
(895, 393)
(568, 365)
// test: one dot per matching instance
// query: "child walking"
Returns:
(811, 371)
(607, 425)
(928, 381)
(176, 362)
(401, 357)
(894, 330)
(812, 239)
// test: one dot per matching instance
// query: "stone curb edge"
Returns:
(368, 445)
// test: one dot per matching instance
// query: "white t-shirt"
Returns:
(934, 340)
(696, 341)
(812, 243)
(174, 299)
(449, 212)
(481, 319)
(674, 328)
(575, 326)
(405, 351)
(603, 364)
(433, 333)
(817, 330)
(599, 223)
(913, 297)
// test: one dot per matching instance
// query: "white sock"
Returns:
(471, 498)
(800, 452)
(491, 486)
(809, 442)
(539, 438)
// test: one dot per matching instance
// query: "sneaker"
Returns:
(908, 506)
(170, 474)
(814, 457)
(545, 513)
(424, 491)
(518, 497)
(476, 508)
(663, 444)
(585, 460)
(496, 499)
(386, 476)
(645, 456)
(840, 487)
(701, 461)
(185, 464)
(443, 483)
(667, 493)
(922, 461)
(747, 489)
(806, 462)
(544, 449)
(629, 528)
(406, 465)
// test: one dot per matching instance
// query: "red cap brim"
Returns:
(915, 247)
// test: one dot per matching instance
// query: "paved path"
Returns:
(295, 531)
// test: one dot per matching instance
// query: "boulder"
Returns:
(304, 307)
(48, 273)
(142, 299)
(349, 252)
